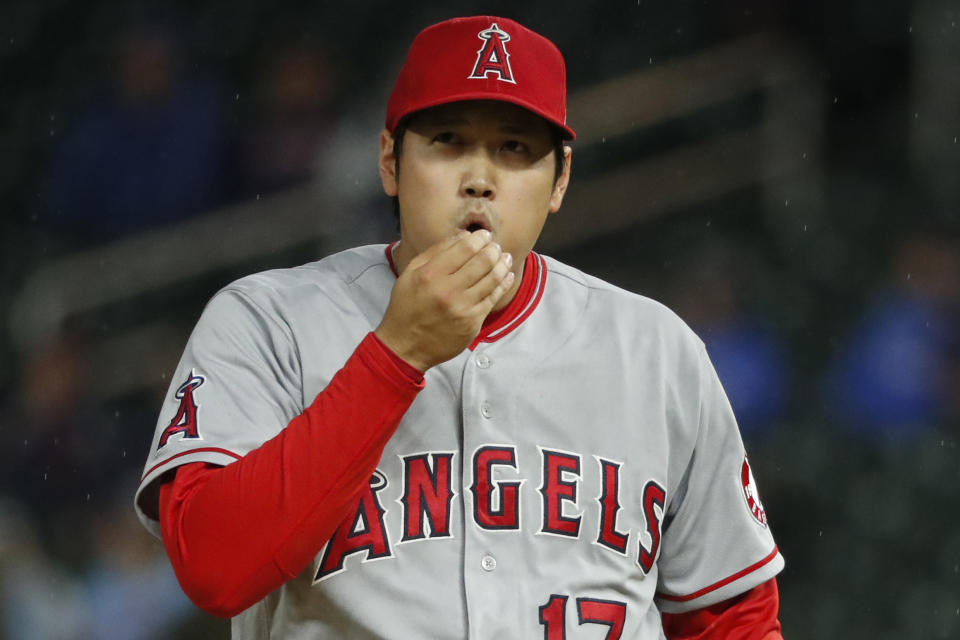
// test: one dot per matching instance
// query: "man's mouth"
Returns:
(476, 221)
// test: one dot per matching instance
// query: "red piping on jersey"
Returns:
(748, 616)
(389, 252)
(500, 323)
(721, 583)
(186, 453)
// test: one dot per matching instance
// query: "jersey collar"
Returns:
(500, 323)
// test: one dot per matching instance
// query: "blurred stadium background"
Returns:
(784, 175)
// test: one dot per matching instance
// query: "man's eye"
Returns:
(446, 137)
(514, 146)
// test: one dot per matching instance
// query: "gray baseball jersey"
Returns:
(571, 476)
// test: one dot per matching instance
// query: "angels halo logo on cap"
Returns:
(493, 57)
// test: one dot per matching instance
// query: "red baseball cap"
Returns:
(482, 58)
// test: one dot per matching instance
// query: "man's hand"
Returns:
(439, 302)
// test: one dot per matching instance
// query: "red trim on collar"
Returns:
(389, 252)
(500, 323)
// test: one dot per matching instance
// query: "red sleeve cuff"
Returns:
(749, 616)
(401, 366)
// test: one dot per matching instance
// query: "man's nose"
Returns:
(477, 181)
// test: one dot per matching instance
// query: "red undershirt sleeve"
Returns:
(236, 533)
(749, 616)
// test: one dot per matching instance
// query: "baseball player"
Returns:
(453, 436)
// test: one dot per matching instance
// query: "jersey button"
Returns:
(483, 361)
(489, 563)
(485, 410)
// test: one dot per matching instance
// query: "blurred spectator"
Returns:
(148, 152)
(294, 103)
(129, 591)
(54, 446)
(38, 599)
(749, 356)
(74, 562)
(133, 592)
(892, 375)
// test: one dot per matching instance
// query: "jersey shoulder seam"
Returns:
(240, 292)
(351, 281)
(284, 327)
(593, 283)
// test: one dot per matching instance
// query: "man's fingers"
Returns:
(487, 304)
(436, 249)
(454, 257)
(487, 285)
(468, 267)
(479, 265)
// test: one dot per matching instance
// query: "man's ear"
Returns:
(387, 164)
(563, 180)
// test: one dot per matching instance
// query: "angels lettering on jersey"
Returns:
(427, 494)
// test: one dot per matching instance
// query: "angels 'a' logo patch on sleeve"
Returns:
(185, 419)
(750, 493)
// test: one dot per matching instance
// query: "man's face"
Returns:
(471, 165)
